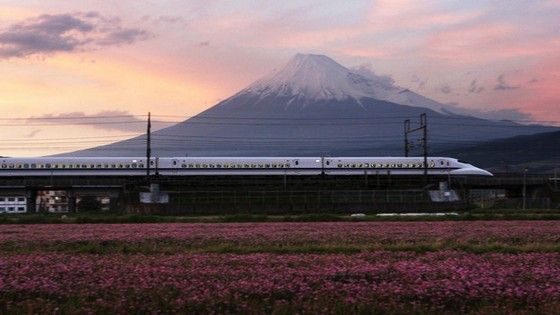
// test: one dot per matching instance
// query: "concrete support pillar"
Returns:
(71, 197)
(31, 197)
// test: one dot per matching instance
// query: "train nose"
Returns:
(471, 170)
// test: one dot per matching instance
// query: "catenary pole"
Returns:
(148, 145)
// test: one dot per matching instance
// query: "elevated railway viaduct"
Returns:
(272, 193)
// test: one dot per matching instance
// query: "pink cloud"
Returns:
(408, 14)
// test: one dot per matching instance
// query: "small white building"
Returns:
(13, 204)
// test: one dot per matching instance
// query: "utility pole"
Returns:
(524, 188)
(148, 145)
(406, 144)
(424, 128)
(424, 124)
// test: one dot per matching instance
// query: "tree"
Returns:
(89, 204)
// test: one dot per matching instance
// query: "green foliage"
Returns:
(89, 204)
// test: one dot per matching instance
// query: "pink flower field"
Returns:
(500, 267)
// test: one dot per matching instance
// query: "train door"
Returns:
(175, 165)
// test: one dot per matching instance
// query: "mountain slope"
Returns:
(539, 153)
(313, 106)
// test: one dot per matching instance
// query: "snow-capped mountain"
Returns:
(314, 106)
(318, 77)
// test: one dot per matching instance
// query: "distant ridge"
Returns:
(538, 153)
(314, 106)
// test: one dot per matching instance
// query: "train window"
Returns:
(174, 162)
(328, 162)
(141, 165)
(267, 165)
(219, 165)
(253, 165)
(48, 165)
(134, 164)
(120, 166)
(441, 162)
(197, 165)
(297, 162)
(127, 165)
(33, 165)
(25, 165)
(152, 163)
(21, 209)
(211, 165)
(4, 166)
(11, 199)
(191, 165)
(10, 165)
(21, 199)
(2, 199)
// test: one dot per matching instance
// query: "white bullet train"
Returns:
(185, 166)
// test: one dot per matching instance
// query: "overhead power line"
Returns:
(196, 117)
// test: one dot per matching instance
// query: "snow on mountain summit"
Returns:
(318, 77)
(312, 76)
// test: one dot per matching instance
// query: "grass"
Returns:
(502, 214)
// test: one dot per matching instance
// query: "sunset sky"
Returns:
(70, 58)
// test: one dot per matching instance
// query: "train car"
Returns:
(73, 166)
(190, 166)
(399, 166)
(240, 166)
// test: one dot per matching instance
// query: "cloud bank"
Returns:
(110, 120)
(50, 34)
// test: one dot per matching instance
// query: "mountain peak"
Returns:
(310, 76)
(306, 62)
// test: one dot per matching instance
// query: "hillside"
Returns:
(539, 153)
